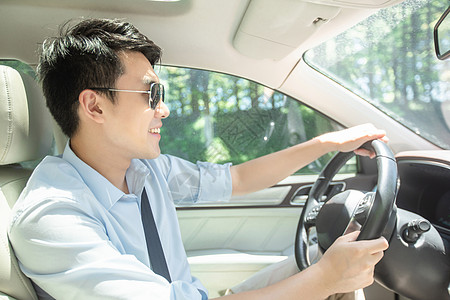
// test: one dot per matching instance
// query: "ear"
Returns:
(90, 105)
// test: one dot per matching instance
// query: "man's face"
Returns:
(132, 127)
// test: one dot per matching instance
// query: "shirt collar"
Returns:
(105, 192)
(136, 176)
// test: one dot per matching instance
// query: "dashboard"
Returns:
(416, 264)
(425, 186)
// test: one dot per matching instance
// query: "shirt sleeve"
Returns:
(196, 183)
(67, 253)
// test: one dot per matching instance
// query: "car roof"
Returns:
(260, 40)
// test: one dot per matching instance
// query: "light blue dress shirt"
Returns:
(79, 237)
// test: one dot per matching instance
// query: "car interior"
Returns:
(237, 43)
(26, 135)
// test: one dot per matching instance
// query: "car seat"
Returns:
(25, 135)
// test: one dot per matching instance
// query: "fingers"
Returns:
(376, 257)
(349, 237)
(376, 245)
(384, 139)
(369, 132)
(371, 246)
(373, 251)
(352, 138)
(369, 251)
(350, 264)
(364, 152)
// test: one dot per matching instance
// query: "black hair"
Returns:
(83, 56)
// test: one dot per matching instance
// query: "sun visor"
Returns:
(358, 3)
(273, 29)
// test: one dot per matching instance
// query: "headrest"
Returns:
(25, 122)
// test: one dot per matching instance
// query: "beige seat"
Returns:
(25, 135)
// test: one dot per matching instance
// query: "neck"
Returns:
(102, 159)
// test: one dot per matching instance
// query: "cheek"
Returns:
(138, 125)
(131, 122)
(133, 127)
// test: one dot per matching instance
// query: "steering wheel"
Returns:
(370, 212)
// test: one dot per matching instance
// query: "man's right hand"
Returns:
(349, 265)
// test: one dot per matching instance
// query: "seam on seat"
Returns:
(5, 183)
(10, 117)
(20, 274)
(15, 265)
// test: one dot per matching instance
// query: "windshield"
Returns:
(389, 61)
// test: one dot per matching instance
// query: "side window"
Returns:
(221, 118)
(19, 66)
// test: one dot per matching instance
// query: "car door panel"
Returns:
(227, 246)
(244, 229)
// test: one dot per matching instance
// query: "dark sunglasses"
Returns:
(155, 94)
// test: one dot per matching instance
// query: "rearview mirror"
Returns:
(442, 36)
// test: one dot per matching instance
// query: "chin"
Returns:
(153, 154)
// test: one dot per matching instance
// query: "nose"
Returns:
(162, 111)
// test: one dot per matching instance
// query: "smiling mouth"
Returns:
(155, 130)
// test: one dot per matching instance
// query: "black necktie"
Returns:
(155, 251)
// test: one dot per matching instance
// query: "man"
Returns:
(77, 230)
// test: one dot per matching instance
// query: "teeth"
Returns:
(155, 130)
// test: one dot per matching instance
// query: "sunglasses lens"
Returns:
(157, 94)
